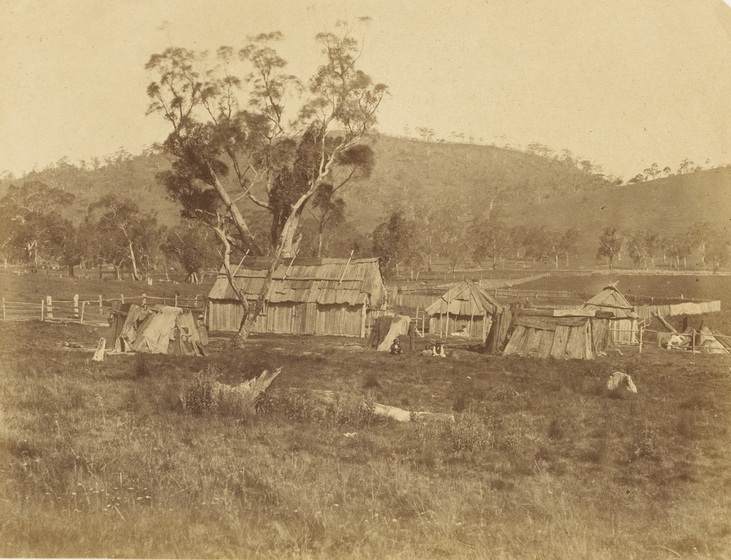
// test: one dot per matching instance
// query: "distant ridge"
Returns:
(517, 187)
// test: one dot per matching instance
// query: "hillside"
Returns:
(521, 188)
(410, 170)
(666, 205)
(121, 173)
(405, 170)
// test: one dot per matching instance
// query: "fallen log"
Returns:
(399, 414)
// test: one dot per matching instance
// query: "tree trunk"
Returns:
(287, 240)
(71, 271)
(135, 273)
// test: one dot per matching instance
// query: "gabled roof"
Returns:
(465, 298)
(610, 300)
(323, 281)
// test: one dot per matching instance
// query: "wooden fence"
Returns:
(94, 310)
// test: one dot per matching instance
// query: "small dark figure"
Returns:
(396, 347)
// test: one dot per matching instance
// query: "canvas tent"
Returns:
(399, 325)
(544, 333)
(307, 296)
(622, 317)
(464, 310)
(157, 330)
(709, 344)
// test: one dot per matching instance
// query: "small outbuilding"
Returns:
(546, 333)
(464, 310)
(307, 296)
(621, 315)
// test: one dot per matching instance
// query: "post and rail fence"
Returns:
(93, 310)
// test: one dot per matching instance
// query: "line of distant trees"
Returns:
(116, 232)
(443, 234)
(645, 247)
(113, 232)
(654, 171)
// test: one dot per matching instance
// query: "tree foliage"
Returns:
(611, 243)
(125, 235)
(234, 141)
(31, 226)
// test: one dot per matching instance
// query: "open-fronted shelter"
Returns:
(306, 296)
(464, 310)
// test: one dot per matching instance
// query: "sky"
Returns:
(625, 83)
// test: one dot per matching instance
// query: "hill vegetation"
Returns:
(451, 196)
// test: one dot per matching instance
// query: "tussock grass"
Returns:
(103, 459)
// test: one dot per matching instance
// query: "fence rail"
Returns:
(88, 309)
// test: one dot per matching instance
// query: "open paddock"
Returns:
(101, 460)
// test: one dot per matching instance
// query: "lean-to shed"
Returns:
(544, 333)
(307, 296)
(621, 316)
(465, 310)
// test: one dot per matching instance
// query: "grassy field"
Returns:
(101, 460)
(34, 287)
(542, 461)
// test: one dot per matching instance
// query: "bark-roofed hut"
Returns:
(465, 309)
(307, 296)
(544, 333)
(621, 315)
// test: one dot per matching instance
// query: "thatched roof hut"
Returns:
(622, 316)
(307, 296)
(464, 310)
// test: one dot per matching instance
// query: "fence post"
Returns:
(42, 304)
(642, 330)
(81, 319)
(3, 308)
(100, 301)
(121, 297)
(49, 307)
(76, 306)
(176, 300)
(144, 300)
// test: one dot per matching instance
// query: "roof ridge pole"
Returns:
(346, 266)
(286, 273)
(242, 262)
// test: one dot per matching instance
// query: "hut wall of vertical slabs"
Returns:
(305, 296)
(291, 318)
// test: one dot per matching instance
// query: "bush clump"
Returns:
(198, 397)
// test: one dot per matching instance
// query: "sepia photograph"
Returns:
(365, 279)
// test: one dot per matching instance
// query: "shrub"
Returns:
(351, 411)
(469, 433)
(197, 398)
(293, 407)
(371, 382)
